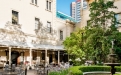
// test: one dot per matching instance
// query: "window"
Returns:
(49, 26)
(118, 19)
(14, 17)
(34, 2)
(48, 5)
(88, 22)
(61, 35)
(36, 23)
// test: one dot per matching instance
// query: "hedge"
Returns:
(78, 70)
(75, 70)
(94, 68)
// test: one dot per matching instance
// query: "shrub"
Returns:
(63, 72)
(75, 70)
(78, 70)
(94, 68)
(117, 74)
(118, 68)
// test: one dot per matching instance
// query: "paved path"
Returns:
(31, 72)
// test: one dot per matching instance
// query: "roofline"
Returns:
(64, 14)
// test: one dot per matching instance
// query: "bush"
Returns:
(117, 74)
(118, 69)
(75, 70)
(78, 70)
(63, 72)
(94, 68)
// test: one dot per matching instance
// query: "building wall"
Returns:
(27, 13)
(86, 12)
(73, 10)
(64, 26)
(78, 8)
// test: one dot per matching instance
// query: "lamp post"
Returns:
(82, 37)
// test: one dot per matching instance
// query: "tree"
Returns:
(73, 44)
(97, 35)
(100, 29)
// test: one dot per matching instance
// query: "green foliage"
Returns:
(73, 45)
(78, 70)
(101, 30)
(100, 14)
(75, 70)
(117, 74)
(63, 72)
(94, 41)
(94, 68)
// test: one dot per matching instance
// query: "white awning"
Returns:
(30, 45)
(49, 47)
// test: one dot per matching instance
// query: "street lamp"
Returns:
(82, 37)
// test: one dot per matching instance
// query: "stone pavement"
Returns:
(31, 72)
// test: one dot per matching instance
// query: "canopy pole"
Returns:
(45, 57)
(58, 57)
(30, 52)
(10, 56)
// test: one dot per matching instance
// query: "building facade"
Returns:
(73, 10)
(32, 29)
(86, 12)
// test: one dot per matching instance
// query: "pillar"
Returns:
(9, 55)
(40, 56)
(53, 57)
(30, 53)
(45, 57)
(58, 57)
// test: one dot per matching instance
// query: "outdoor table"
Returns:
(10, 73)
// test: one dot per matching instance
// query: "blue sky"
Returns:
(64, 6)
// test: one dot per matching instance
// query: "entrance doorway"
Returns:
(14, 57)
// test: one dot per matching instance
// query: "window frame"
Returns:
(48, 5)
(117, 19)
(16, 14)
(36, 2)
(49, 27)
(37, 25)
(32, 1)
(61, 35)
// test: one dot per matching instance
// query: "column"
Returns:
(9, 55)
(58, 57)
(40, 56)
(53, 57)
(30, 53)
(45, 57)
